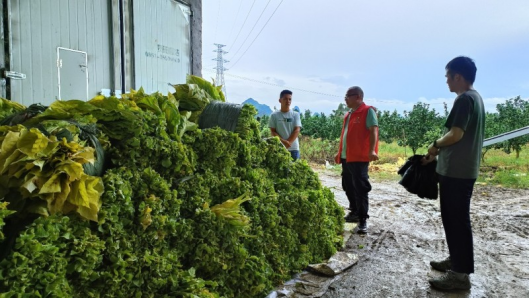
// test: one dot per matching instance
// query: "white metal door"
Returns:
(162, 44)
(37, 28)
(72, 74)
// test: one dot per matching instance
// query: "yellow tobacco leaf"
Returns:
(53, 184)
(230, 211)
(17, 169)
(84, 156)
(7, 149)
(86, 194)
(9, 168)
(94, 190)
(71, 146)
(97, 99)
(145, 218)
(53, 146)
(32, 142)
(29, 185)
(73, 169)
(38, 163)
(59, 203)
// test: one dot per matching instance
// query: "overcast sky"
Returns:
(395, 50)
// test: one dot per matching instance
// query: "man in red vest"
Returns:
(358, 146)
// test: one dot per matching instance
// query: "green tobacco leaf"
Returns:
(209, 88)
(191, 97)
(169, 106)
(111, 103)
(66, 109)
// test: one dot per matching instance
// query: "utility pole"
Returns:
(220, 78)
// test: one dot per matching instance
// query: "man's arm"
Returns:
(373, 128)
(297, 128)
(286, 143)
(453, 136)
(274, 133)
(294, 134)
(458, 120)
(373, 139)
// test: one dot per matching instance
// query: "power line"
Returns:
(311, 91)
(244, 22)
(276, 85)
(258, 34)
(250, 32)
(217, 20)
(234, 24)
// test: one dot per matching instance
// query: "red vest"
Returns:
(358, 137)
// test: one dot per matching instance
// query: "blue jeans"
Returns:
(295, 154)
(455, 201)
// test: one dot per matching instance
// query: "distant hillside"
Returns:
(263, 109)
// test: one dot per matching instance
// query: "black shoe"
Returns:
(451, 281)
(351, 217)
(442, 266)
(362, 228)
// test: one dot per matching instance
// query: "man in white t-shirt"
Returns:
(286, 124)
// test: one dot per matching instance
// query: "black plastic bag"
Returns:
(419, 179)
(222, 114)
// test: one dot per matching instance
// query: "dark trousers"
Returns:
(455, 200)
(356, 185)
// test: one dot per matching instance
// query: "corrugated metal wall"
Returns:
(161, 44)
(37, 28)
(3, 81)
(128, 44)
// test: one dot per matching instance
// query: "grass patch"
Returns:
(501, 168)
(318, 150)
(498, 167)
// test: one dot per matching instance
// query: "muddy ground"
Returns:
(406, 232)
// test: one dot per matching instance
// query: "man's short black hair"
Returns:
(463, 66)
(285, 92)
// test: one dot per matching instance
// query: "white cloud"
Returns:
(397, 50)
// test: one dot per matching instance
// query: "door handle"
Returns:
(14, 75)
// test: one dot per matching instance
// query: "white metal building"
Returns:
(77, 49)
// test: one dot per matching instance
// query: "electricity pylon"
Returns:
(220, 77)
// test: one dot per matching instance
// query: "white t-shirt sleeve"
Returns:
(297, 121)
(272, 121)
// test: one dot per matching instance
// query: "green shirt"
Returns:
(462, 159)
(371, 120)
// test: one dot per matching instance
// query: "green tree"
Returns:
(390, 126)
(513, 114)
(307, 114)
(341, 110)
(264, 126)
(322, 126)
(421, 127)
(491, 129)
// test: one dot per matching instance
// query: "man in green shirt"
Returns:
(459, 153)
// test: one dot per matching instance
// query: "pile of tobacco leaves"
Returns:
(128, 197)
